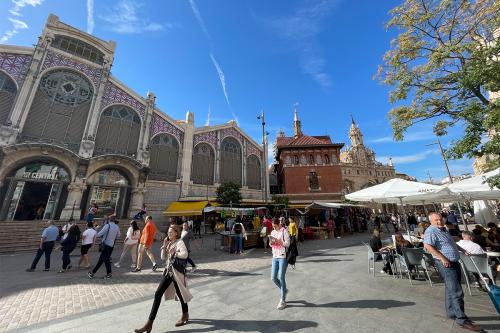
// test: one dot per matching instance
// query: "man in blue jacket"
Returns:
(49, 236)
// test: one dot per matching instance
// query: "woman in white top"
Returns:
(88, 239)
(130, 244)
(173, 284)
(280, 241)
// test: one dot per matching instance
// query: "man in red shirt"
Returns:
(145, 244)
(269, 227)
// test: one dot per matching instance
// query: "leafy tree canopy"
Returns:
(229, 192)
(442, 66)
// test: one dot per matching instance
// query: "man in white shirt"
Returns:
(468, 245)
(88, 239)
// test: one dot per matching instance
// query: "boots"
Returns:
(146, 328)
(183, 321)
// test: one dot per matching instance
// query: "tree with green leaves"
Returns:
(443, 65)
(229, 193)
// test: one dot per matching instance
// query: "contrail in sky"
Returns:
(90, 16)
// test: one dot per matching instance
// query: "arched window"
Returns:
(311, 159)
(295, 159)
(230, 161)
(327, 159)
(254, 172)
(202, 166)
(8, 92)
(78, 48)
(118, 131)
(59, 109)
(164, 158)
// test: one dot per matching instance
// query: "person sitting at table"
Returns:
(471, 248)
(452, 230)
(376, 245)
(478, 238)
(402, 243)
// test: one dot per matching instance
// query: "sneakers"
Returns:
(62, 271)
(46, 269)
(281, 305)
(108, 277)
(137, 269)
(285, 295)
(383, 272)
(133, 266)
(117, 265)
(90, 275)
(193, 269)
(154, 268)
(469, 325)
(30, 270)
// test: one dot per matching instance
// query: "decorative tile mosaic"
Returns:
(16, 65)
(231, 131)
(252, 149)
(114, 95)
(54, 59)
(210, 137)
(160, 125)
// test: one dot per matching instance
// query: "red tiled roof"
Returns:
(304, 140)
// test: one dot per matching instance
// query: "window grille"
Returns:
(254, 172)
(313, 181)
(78, 48)
(118, 131)
(230, 162)
(203, 164)
(164, 158)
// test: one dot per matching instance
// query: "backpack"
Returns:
(238, 228)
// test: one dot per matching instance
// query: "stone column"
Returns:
(137, 200)
(217, 161)
(187, 154)
(88, 140)
(9, 133)
(75, 192)
(143, 153)
(244, 183)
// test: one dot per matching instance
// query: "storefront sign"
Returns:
(40, 176)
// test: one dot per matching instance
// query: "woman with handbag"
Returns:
(280, 241)
(173, 284)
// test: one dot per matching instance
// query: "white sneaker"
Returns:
(286, 294)
(281, 305)
(382, 272)
(132, 266)
(193, 269)
(117, 265)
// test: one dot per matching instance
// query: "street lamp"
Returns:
(264, 162)
(443, 156)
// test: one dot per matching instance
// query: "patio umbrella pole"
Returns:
(462, 216)
(425, 209)
(405, 217)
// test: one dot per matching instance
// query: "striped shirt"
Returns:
(442, 241)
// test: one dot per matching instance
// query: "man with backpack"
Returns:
(239, 233)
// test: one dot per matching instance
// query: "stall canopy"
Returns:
(323, 205)
(187, 208)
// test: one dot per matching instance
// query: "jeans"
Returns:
(165, 282)
(454, 295)
(238, 243)
(104, 258)
(66, 261)
(47, 248)
(278, 271)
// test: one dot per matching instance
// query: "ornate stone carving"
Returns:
(159, 125)
(54, 59)
(115, 95)
(16, 65)
(209, 137)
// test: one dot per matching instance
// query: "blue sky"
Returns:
(241, 57)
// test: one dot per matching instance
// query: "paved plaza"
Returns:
(330, 291)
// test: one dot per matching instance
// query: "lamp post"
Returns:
(264, 162)
(443, 156)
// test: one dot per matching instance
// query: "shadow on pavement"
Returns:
(322, 254)
(322, 260)
(359, 304)
(217, 272)
(249, 325)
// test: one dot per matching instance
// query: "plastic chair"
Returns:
(372, 257)
(414, 257)
(468, 267)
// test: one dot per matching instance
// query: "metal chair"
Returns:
(372, 257)
(468, 267)
(414, 257)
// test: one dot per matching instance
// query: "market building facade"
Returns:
(72, 134)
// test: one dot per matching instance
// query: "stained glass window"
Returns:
(66, 87)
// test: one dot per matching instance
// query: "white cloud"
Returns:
(405, 159)
(301, 29)
(125, 19)
(409, 137)
(17, 24)
(90, 16)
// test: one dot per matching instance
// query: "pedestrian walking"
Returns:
(174, 283)
(130, 244)
(49, 236)
(108, 234)
(68, 244)
(88, 239)
(66, 227)
(279, 240)
(145, 244)
(239, 233)
(266, 231)
(141, 213)
(439, 243)
(91, 213)
(187, 237)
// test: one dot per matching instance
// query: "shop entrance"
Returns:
(109, 189)
(34, 192)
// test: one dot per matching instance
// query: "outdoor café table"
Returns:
(493, 254)
(319, 231)
(227, 239)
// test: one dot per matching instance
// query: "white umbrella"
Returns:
(392, 191)
(476, 188)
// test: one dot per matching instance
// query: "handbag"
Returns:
(101, 245)
(263, 232)
(180, 265)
